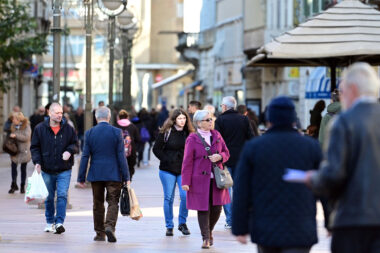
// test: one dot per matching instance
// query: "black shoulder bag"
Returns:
(223, 177)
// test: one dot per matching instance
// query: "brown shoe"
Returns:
(100, 237)
(206, 244)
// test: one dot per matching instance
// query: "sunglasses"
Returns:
(208, 120)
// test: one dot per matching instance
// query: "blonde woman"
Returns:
(21, 131)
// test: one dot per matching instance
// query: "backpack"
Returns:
(144, 133)
(127, 143)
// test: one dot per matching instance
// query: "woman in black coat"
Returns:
(130, 129)
(316, 117)
(169, 149)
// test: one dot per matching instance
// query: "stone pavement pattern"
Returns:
(21, 226)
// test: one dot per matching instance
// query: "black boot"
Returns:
(22, 188)
(14, 188)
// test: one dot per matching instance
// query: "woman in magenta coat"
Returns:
(198, 178)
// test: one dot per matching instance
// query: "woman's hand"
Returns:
(12, 135)
(185, 187)
(215, 158)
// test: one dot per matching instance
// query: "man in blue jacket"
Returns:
(53, 146)
(108, 170)
(280, 216)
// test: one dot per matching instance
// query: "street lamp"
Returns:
(127, 23)
(88, 21)
(111, 8)
(56, 30)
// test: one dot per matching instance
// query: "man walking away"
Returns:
(235, 130)
(108, 170)
(279, 216)
(54, 144)
(350, 174)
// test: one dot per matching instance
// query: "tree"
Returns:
(18, 41)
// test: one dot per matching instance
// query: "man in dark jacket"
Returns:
(350, 172)
(108, 170)
(280, 216)
(54, 144)
(235, 130)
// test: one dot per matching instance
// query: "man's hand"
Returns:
(127, 183)
(12, 135)
(185, 187)
(81, 185)
(215, 158)
(309, 175)
(37, 167)
(242, 239)
(66, 155)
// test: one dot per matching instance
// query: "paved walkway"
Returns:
(21, 226)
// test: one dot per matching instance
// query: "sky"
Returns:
(192, 12)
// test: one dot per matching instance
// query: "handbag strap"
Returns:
(207, 147)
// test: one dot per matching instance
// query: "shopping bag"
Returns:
(135, 213)
(125, 208)
(36, 191)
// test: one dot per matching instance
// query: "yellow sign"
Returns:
(294, 72)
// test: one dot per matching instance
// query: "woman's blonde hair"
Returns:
(18, 115)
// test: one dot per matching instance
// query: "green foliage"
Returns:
(18, 40)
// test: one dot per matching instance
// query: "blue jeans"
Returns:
(59, 183)
(228, 208)
(169, 181)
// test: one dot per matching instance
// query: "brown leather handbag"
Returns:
(10, 145)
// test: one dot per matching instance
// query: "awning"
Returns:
(190, 86)
(318, 84)
(172, 78)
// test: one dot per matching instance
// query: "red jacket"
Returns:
(196, 172)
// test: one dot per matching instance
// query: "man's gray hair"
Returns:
(54, 104)
(199, 116)
(229, 102)
(364, 77)
(102, 113)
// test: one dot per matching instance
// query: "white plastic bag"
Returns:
(36, 191)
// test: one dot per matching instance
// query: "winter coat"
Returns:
(235, 130)
(23, 135)
(125, 124)
(315, 120)
(332, 110)
(196, 172)
(170, 153)
(105, 145)
(276, 213)
(47, 148)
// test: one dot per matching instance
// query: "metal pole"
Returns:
(127, 99)
(333, 77)
(56, 30)
(65, 71)
(88, 23)
(112, 56)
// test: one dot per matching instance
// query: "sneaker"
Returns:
(49, 228)
(183, 228)
(227, 226)
(59, 229)
(169, 232)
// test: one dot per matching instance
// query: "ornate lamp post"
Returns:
(127, 23)
(111, 8)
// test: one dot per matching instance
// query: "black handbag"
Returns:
(10, 145)
(223, 177)
(125, 207)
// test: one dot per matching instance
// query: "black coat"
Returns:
(135, 136)
(276, 213)
(170, 153)
(47, 148)
(235, 130)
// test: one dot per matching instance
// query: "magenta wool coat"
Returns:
(196, 172)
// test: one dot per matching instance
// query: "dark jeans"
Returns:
(263, 249)
(208, 219)
(112, 197)
(356, 240)
(131, 164)
(14, 172)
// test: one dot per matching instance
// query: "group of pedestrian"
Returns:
(276, 209)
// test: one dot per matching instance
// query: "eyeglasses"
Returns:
(208, 120)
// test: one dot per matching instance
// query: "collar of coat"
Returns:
(47, 122)
(229, 111)
(215, 136)
(24, 124)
